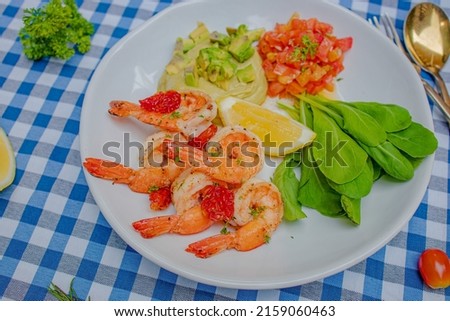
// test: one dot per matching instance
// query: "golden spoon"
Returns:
(427, 38)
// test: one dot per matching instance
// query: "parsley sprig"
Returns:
(55, 30)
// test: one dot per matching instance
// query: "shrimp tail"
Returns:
(108, 170)
(212, 245)
(122, 108)
(155, 226)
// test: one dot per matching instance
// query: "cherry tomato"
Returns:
(434, 267)
(162, 102)
(217, 202)
(204, 137)
(160, 198)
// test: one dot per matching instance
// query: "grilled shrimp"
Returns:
(138, 180)
(258, 210)
(189, 217)
(233, 155)
(193, 113)
(158, 171)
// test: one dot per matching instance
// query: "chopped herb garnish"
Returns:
(213, 153)
(255, 211)
(309, 48)
(175, 115)
(153, 188)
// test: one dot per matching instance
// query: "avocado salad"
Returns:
(220, 64)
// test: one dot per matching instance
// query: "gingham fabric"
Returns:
(52, 231)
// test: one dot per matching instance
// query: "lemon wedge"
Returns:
(280, 135)
(7, 161)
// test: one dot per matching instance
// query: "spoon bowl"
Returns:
(427, 39)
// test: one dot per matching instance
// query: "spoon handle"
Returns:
(441, 87)
(433, 94)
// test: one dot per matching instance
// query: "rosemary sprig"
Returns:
(59, 294)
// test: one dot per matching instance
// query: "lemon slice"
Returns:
(280, 135)
(7, 161)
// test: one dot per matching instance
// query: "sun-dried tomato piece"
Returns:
(160, 198)
(218, 202)
(204, 137)
(162, 102)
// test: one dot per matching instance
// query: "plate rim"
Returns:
(217, 282)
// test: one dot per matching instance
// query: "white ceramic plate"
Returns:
(300, 252)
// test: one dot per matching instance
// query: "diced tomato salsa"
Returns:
(302, 56)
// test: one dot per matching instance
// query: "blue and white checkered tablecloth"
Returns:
(51, 229)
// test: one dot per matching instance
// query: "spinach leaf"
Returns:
(315, 192)
(291, 110)
(360, 186)
(391, 160)
(288, 184)
(377, 171)
(416, 140)
(352, 208)
(360, 125)
(390, 116)
(305, 113)
(356, 144)
(338, 156)
(415, 162)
